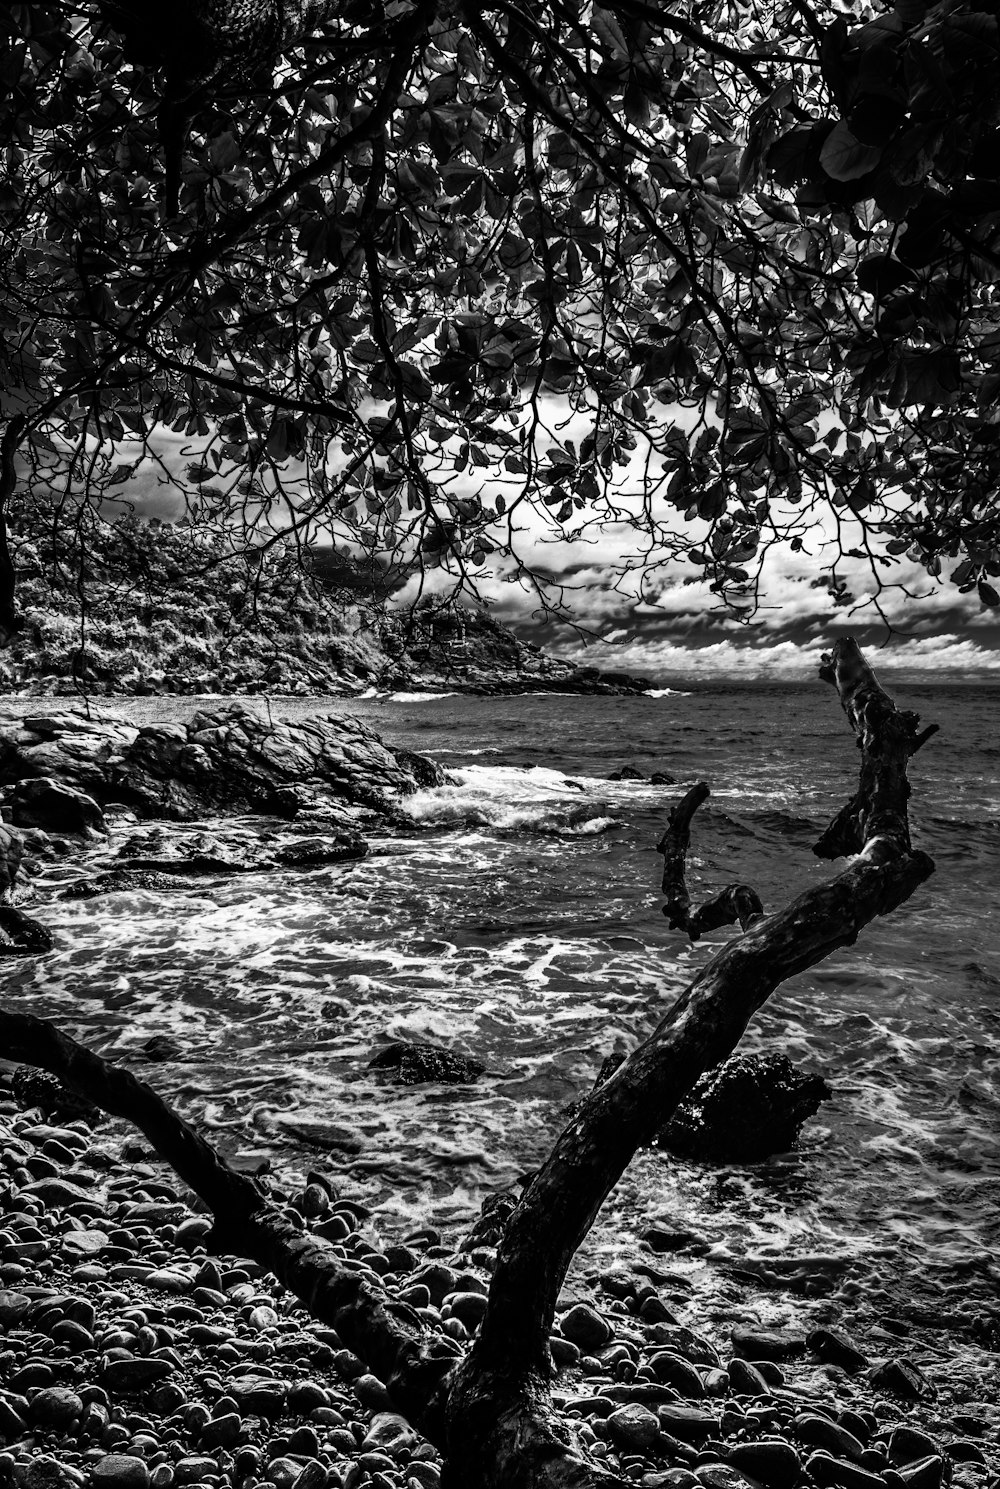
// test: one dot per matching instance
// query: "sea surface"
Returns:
(519, 921)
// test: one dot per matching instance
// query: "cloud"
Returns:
(665, 658)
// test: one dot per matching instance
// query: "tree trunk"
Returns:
(490, 1412)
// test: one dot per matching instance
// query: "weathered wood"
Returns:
(887, 737)
(499, 1389)
(737, 902)
(673, 845)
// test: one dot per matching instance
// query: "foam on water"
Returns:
(410, 697)
(510, 798)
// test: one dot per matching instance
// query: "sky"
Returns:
(665, 623)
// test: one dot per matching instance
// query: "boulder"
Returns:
(492, 1222)
(741, 1112)
(63, 746)
(901, 1378)
(414, 1064)
(835, 1348)
(234, 760)
(767, 1344)
(33, 1087)
(53, 807)
(748, 1108)
(11, 857)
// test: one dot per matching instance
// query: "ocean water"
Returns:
(519, 921)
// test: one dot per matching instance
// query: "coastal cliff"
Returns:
(134, 607)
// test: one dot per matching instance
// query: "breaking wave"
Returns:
(509, 798)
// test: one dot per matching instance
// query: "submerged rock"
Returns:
(413, 1064)
(745, 1110)
(161, 1048)
(121, 881)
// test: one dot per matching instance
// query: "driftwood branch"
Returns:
(507, 1365)
(737, 902)
(887, 737)
(490, 1412)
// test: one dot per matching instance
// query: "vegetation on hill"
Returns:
(149, 607)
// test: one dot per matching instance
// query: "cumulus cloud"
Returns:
(665, 658)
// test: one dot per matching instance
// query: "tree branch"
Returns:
(737, 902)
(887, 737)
(507, 1365)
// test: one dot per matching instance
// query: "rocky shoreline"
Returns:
(131, 1358)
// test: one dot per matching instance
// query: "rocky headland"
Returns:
(148, 608)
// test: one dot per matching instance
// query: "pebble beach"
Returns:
(131, 1358)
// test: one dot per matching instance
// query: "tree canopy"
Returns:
(446, 280)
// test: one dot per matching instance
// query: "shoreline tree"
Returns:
(449, 283)
(488, 1410)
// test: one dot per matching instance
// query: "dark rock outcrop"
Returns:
(31, 1087)
(742, 1112)
(414, 1064)
(11, 857)
(53, 807)
(227, 760)
(232, 760)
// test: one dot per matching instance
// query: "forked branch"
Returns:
(737, 902)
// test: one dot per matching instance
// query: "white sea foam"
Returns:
(416, 697)
(509, 798)
(665, 693)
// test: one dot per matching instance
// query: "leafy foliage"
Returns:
(452, 282)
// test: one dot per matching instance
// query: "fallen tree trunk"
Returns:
(489, 1412)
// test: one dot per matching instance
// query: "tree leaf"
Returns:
(844, 157)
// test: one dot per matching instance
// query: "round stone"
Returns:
(770, 1461)
(120, 1471)
(584, 1326)
(634, 1427)
(55, 1406)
